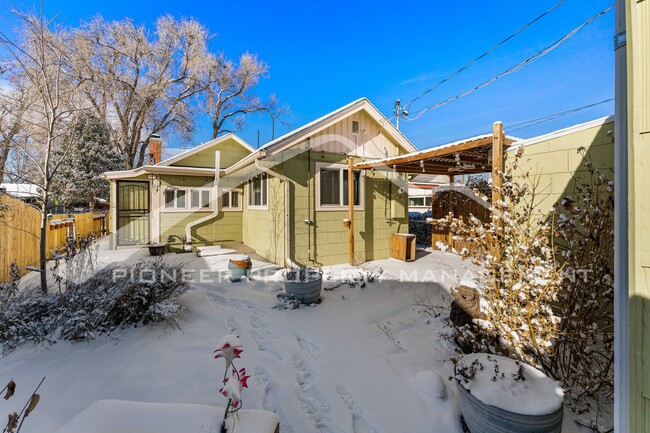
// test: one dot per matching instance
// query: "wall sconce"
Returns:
(155, 182)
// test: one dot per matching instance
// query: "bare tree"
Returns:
(140, 83)
(40, 65)
(14, 100)
(230, 93)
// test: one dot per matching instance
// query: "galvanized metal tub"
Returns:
(308, 291)
(239, 267)
(483, 418)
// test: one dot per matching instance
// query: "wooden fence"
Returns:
(20, 228)
(462, 207)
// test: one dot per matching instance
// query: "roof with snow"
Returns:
(22, 190)
(470, 156)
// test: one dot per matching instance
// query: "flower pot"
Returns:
(506, 396)
(157, 249)
(306, 291)
(239, 267)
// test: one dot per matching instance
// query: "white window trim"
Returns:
(248, 188)
(224, 191)
(188, 200)
(339, 208)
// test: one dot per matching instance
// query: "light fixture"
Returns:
(155, 181)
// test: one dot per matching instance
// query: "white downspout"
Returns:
(215, 204)
(286, 206)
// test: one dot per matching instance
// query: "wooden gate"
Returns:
(132, 213)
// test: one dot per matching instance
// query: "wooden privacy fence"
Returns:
(20, 229)
(462, 203)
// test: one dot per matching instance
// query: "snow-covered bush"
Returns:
(521, 278)
(114, 297)
(584, 231)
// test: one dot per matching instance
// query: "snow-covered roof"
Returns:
(22, 190)
(204, 146)
(565, 131)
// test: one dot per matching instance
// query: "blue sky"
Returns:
(323, 55)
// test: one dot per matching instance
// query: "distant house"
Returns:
(286, 200)
(421, 189)
(27, 192)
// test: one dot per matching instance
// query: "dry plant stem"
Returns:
(25, 407)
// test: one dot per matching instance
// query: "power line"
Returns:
(487, 52)
(529, 123)
(515, 68)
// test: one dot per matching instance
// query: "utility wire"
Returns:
(529, 123)
(408, 105)
(515, 68)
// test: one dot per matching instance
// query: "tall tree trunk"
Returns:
(43, 245)
(4, 154)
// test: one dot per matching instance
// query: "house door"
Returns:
(132, 213)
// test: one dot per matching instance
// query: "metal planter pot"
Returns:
(308, 291)
(239, 267)
(483, 418)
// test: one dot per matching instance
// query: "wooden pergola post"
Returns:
(497, 169)
(351, 210)
(450, 209)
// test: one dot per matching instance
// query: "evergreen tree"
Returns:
(89, 156)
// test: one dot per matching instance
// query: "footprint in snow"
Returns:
(359, 422)
(271, 397)
(262, 327)
(233, 326)
(308, 346)
(265, 345)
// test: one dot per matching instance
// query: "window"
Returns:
(355, 127)
(416, 201)
(230, 200)
(174, 198)
(188, 199)
(332, 187)
(200, 199)
(258, 191)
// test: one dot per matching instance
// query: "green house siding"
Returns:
(263, 230)
(325, 240)
(557, 165)
(226, 227)
(231, 152)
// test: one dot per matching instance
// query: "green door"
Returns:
(132, 213)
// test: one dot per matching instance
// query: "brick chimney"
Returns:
(155, 149)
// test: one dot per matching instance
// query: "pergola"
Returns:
(482, 154)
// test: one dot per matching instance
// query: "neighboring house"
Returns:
(286, 200)
(27, 192)
(421, 188)
(553, 159)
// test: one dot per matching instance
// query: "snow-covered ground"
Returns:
(365, 360)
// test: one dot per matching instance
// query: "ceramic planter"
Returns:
(239, 267)
(157, 249)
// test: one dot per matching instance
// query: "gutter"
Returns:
(215, 204)
(284, 179)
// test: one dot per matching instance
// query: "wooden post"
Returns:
(450, 209)
(351, 211)
(497, 167)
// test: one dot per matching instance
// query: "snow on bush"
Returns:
(521, 277)
(584, 353)
(114, 297)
